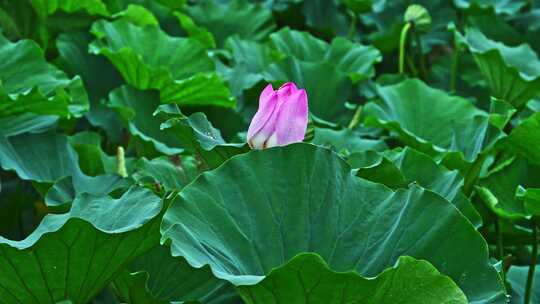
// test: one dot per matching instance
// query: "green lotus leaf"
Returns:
(398, 169)
(187, 78)
(250, 60)
(201, 34)
(517, 277)
(312, 63)
(238, 17)
(325, 16)
(168, 129)
(170, 278)
(28, 84)
(531, 199)
(99, 77)
(48, 7)
(500, 6)
(430, 120)
(301, 198)
(51, 159)
(131, 288)
(513, 73)
(27, 122)
(347, 140)
(199, 136)
(525, 139)
(326, 104)
(73, 256)
(353, 59)
(137, 107)
(307, 279)
(138, 15)
(172, 173)
(93, 160)
(498, 189)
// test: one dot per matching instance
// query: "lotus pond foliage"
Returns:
(269, 151)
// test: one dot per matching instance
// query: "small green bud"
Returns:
(419, 17)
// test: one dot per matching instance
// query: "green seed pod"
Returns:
(419, 17)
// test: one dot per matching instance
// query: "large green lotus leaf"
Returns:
(430, 120)
(410, 166)
(50, 159)
(28, 84)
(73, 256)
(517, 277)
(513, 73)
(178, 67)
(307, 279)
(347, 140)
(173, 279)
(498, 189)
(48, 7)
(525, 139)
(301, 198)
(237, 17)
(500, 6)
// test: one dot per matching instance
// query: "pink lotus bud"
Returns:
(282, 117)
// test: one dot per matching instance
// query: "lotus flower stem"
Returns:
(402, 43)
(530, 275)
